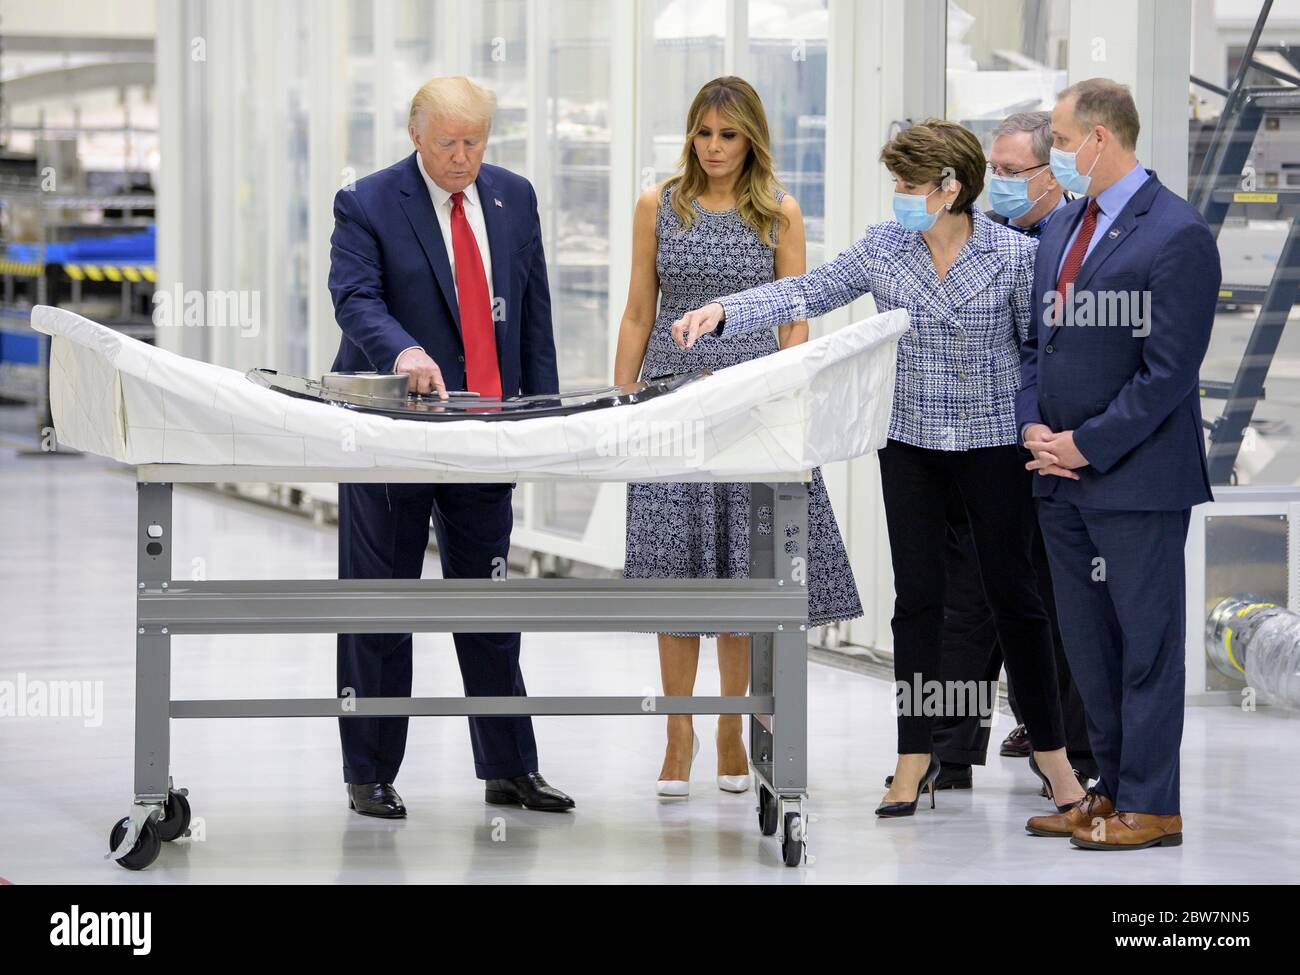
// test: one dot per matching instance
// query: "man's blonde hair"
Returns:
(452, 99)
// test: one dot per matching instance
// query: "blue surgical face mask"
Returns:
(1009, 195)
(1065, 167)
(910, 210)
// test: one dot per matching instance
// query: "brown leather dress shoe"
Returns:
(1081, 815)
(1130, 831)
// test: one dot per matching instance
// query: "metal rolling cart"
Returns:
(772, 605)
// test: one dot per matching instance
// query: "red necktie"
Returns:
(1074, 259)
(482, 373)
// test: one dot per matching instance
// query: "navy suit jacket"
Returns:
(1133, 401)
(392, 284)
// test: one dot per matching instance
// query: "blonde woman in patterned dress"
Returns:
(722, 225)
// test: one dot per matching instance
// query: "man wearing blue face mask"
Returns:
(1112, 416)
(1023, 193)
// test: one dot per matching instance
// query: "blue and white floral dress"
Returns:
(701, 530)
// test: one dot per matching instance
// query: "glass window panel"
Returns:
(1252, 242)
(687, 51)
(787, 67)
(1004, 56)
(254, 181)
(412, 61)
(291, 62)
(565, 507)
(574, 210)
(359, 89)
(499, 61)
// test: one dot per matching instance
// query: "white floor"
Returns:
(268, 795)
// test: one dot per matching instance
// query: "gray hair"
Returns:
(1037, 124)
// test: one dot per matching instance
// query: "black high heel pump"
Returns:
(895, 809)
(1047, 785)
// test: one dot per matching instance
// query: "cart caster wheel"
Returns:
(176, 817)
(767, 811)
(146, 849)
(792, 840)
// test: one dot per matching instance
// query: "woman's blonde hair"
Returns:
(740, 106)
(454, 98)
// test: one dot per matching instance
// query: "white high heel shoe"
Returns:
(734, 783)
(678, 788)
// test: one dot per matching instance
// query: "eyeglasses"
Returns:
(1007, 173)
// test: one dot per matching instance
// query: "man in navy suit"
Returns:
(437, 272)
(1125, 288)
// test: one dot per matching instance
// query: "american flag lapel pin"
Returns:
(498, 202)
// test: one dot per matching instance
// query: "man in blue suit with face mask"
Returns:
(1125, 289)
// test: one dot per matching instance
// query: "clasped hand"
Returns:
(1054, 453)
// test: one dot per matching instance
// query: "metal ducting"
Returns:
(1257, 643)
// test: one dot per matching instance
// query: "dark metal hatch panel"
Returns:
(470, 406)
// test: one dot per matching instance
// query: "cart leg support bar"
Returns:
(771, 605)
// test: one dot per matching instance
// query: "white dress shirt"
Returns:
(442, 205)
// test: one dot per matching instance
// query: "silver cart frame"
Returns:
(772, 605)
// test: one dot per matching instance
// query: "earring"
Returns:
(947, 206)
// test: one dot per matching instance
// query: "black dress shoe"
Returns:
(530, 791)
(950, 777)
(376, 799)
(1016, 744)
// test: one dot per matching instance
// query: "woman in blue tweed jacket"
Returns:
(965, 282)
